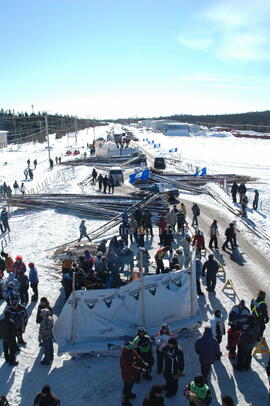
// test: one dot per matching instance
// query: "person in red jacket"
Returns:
(18, 265)
(162, 228)
(198, 242)
(130, 363)
(233, 337)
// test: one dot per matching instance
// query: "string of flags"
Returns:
(152, 289)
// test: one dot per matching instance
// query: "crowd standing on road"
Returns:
(112, 265)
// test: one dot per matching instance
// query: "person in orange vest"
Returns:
(8, 261)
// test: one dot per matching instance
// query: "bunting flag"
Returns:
(179, 284)
(156, 145)
(152, 141)
(168, 286)
(173, 150)
(136, 296)
(153, 291)
(108, 303)
(91, 306)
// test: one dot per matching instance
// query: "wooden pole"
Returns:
(142, 289)
(73, 309)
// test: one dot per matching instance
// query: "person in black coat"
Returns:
(234, 191)
(246, 343)
(105, 183)
(174, 366)
(259, 310)
(94, 176)
(23, 287)
(18, 314)
(46, 398)
(111, 184)
(211, 267)
(43, 304)
(256, 200)
(181, 221)
(8, 333)
(102, 246)
(154, 397)
(229, 233)
(208, 349)
(100, 181)
(242, 191)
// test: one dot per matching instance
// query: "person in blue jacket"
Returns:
(33, 279)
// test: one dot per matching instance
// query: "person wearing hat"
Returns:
(19, 265)
(174, 366)
(197, 392)
(154, 398)
(33, 279)
(46, 335)
(10, 291)
(83, 232)
(129, 360)
(142, 344)
(161, 339)
(8, 336)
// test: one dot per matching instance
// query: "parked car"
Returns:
(162, 188)
(117, 175)
(159, 163)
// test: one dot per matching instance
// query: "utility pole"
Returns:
(76, 128)
(47, 134)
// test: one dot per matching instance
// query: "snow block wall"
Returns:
(107, 316)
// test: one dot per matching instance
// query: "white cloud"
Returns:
(233, 30)
(202, 77)
(196, 43)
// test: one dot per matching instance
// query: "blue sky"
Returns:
(123, 58)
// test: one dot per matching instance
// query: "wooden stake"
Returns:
(262, 348)
(229, 286)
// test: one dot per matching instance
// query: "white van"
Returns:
(117, 175)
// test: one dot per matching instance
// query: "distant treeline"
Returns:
(24, 127)
(255, 121)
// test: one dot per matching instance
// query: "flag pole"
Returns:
(142, 289)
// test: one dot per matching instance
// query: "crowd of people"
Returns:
(241, 190)
(104, 182)
(111, 264)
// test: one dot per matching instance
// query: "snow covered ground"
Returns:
(95, 379)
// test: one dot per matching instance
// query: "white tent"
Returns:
(93, 318)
